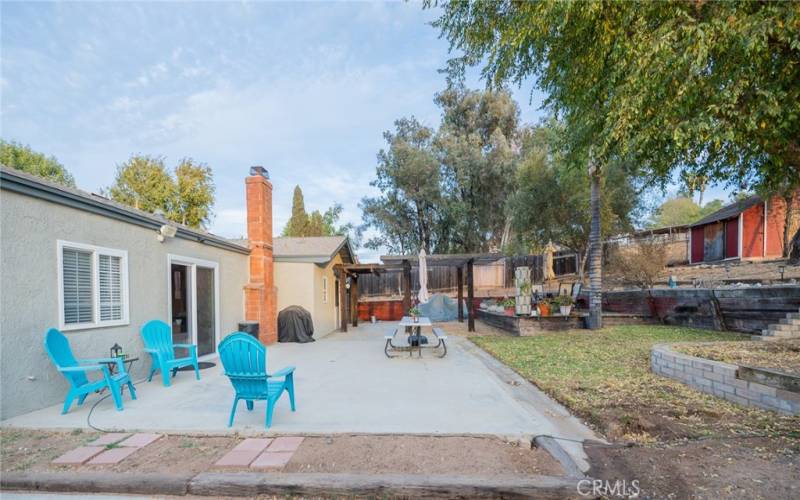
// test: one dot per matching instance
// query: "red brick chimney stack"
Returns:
(260, 292)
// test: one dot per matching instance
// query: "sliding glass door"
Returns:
(193, 302)
(206, 317)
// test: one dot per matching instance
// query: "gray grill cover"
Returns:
(295, 325)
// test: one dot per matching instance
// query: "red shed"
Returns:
(748, 229)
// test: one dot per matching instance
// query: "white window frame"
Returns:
(96, 251)
(324, 289)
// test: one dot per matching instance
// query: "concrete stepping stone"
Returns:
(113, 456)
(287, 443)
(110, 438)
(272, 460)
(79, 455)
(244, 453)
(140, 440)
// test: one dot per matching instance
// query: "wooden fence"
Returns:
(443, 279)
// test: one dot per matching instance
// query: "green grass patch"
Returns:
(604, 377)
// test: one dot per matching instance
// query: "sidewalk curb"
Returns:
(250, 484)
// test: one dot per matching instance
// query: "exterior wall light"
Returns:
(166, 231)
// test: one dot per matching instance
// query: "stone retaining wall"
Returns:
(720, 379)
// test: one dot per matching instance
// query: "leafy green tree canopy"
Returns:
(445, 190)
(144, 182)
(407, 214)
(22, 157)
(710, 88)
(302, 224)
(298, 222)
(682, 210)
(551, 201)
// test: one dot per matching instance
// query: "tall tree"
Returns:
(476, 147)
(672, 85)
(194, 196)
(303, 224)
(22, 157)
(682, 210)
(407, 214)
(551, 202)
(145, 183)
(298, 222)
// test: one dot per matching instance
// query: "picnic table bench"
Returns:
(415, 339)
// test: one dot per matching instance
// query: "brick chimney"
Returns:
(260, 293)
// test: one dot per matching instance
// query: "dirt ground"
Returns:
(783, 355)
(420, 455)
(712, 469)
(26, 450)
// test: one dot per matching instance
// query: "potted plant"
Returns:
(565, 303)
(414, 312)
(509, 306)
(544, 307)
(525, 287)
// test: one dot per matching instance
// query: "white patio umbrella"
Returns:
(423, 278)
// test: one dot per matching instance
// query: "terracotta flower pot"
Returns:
(544, 309)
(510, 311)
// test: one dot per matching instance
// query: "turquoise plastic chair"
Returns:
(157, 337)
(57, 347)
(245, 361)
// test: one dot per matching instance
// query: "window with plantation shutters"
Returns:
(110, 277)
(78, 301)
(93, 284)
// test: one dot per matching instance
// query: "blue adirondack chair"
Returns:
(245, 361)
(157, 337)
(57, 347)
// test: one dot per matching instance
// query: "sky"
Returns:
(304, 89)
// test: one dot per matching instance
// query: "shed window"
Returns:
(93, 283)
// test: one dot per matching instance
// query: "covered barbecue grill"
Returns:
(295, 325)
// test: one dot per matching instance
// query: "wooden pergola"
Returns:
(459, 261)
(348, 274)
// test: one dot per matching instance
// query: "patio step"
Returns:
(791, 321)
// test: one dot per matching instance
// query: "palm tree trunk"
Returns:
(595, 319)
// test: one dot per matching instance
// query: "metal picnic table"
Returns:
(414, 339)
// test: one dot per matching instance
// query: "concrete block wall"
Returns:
(720, 379)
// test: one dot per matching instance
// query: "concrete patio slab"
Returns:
(344, 384)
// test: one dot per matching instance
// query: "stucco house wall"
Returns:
(300, 283)
(293, 281)
(29, 299)
(326, 313)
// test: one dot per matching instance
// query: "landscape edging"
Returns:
(720, 379)
(240, 484)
